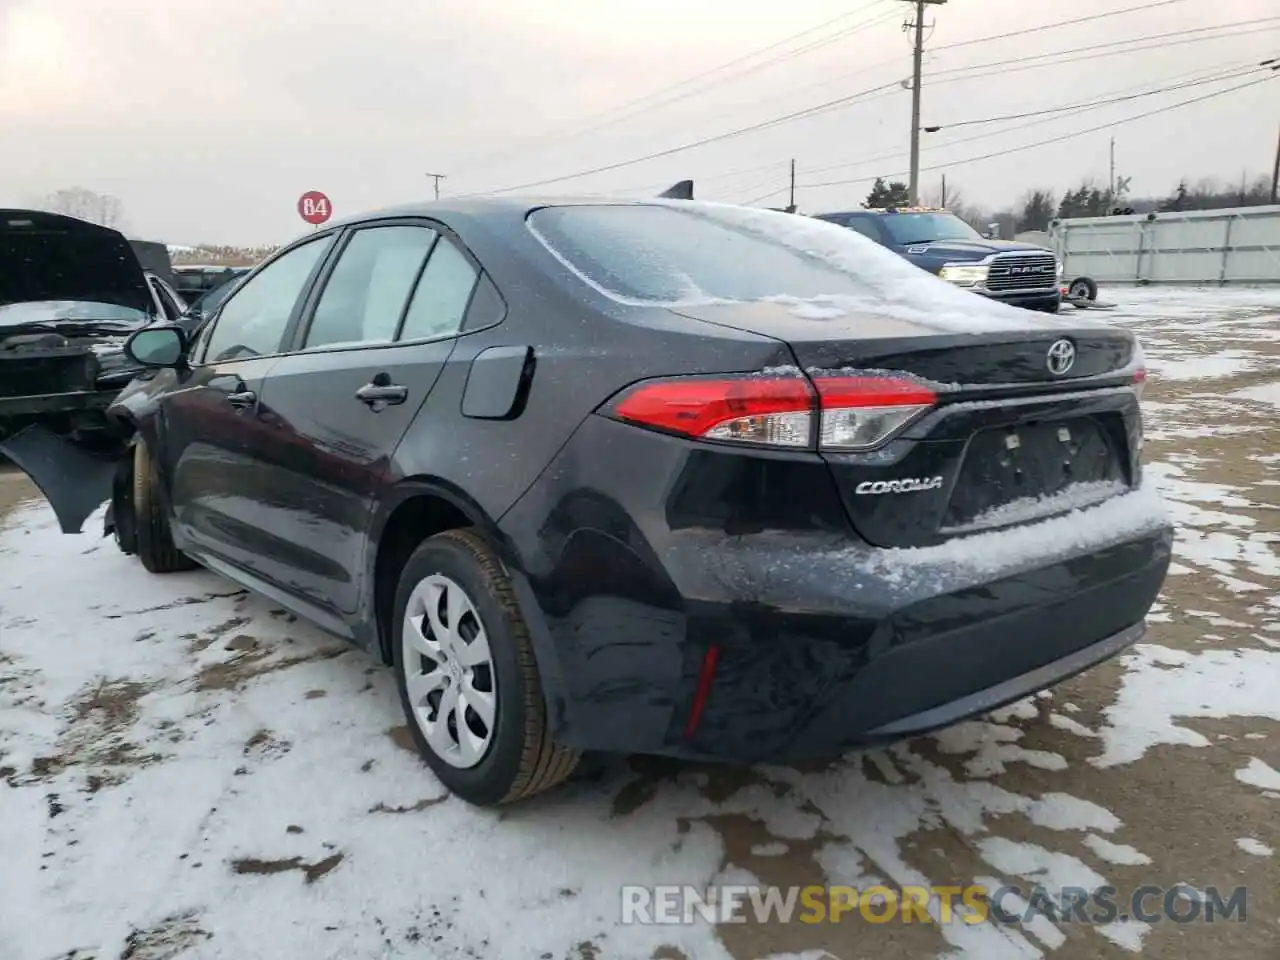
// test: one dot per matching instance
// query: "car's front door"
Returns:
(378, 332)
(212, 448)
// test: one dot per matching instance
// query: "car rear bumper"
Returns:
(822, 643)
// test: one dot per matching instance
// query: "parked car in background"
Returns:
(1020, 274)
(649, 477)
(206, 303)
(71, 292)
(195, 280)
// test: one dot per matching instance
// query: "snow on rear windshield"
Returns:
(685, 253)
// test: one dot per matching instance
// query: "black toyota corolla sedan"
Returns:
(659, 477)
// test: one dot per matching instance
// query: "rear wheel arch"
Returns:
(421, 507)
(417, 508)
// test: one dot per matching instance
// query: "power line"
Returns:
(1072, 55)
(638, 105)
(864, 95)
(766, 196)
(1213, 75)
(1073, 134)
(1154, 42)
(790, 55)
(728, 135)
(1088, 105)
(1023, 63)
(1060, 23)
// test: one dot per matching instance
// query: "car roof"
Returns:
(489, 208)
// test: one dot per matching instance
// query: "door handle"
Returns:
(242, 400)
(382, 393)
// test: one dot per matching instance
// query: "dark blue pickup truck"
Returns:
(1019, 274)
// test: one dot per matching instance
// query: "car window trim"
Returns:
(299, 334)
(299, 302)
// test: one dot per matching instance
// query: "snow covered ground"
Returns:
(187, 772)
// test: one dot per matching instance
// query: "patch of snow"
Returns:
(1061, 811)
(1259, 774)
(1040, 926)
(1262, 393)
(1051, 869)
(1223, 363)
(1078, 496)
(1254, 847)
(1161, 685)
(985, 554)
(1127, 934)
(1118, 853)
(1070, 726)
(994, 747)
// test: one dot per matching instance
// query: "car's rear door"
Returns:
(367, 351)
(213, 438)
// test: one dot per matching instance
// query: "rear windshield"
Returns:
(668, 254)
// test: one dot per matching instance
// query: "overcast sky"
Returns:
(207, 118)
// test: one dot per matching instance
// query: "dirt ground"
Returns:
(14, 489)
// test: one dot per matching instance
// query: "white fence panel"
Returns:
(1239, 245)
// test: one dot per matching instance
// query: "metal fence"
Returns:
(1236, 246)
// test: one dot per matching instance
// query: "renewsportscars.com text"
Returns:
(975, 904)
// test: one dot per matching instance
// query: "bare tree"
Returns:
(84, 204)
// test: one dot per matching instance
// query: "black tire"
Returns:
(151, 538)
(521, 759)
(1083, 288)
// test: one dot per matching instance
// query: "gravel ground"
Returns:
(193, 773)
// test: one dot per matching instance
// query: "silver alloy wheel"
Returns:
(448, 672)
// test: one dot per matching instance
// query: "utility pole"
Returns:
(437, 177)
(944, 192)
(1111, 182)
(1275, 177)
(917, 68)
(791, 202)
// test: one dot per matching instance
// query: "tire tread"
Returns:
(543, 762)
(153, 542)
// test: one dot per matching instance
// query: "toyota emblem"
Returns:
(1062, 356)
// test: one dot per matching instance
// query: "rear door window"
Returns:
(440, 301)
(365, 295)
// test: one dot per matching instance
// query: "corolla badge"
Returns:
(907, 485)
(1061, 357)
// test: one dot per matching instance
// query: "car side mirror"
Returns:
(157, 347)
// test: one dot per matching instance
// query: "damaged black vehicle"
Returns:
(71, 293)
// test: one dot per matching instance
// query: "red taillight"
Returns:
(1139, 380)
(754, 409)
(849, 413)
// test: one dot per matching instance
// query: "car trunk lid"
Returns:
(1016, 432)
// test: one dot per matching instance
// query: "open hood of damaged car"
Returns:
(47, 256)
